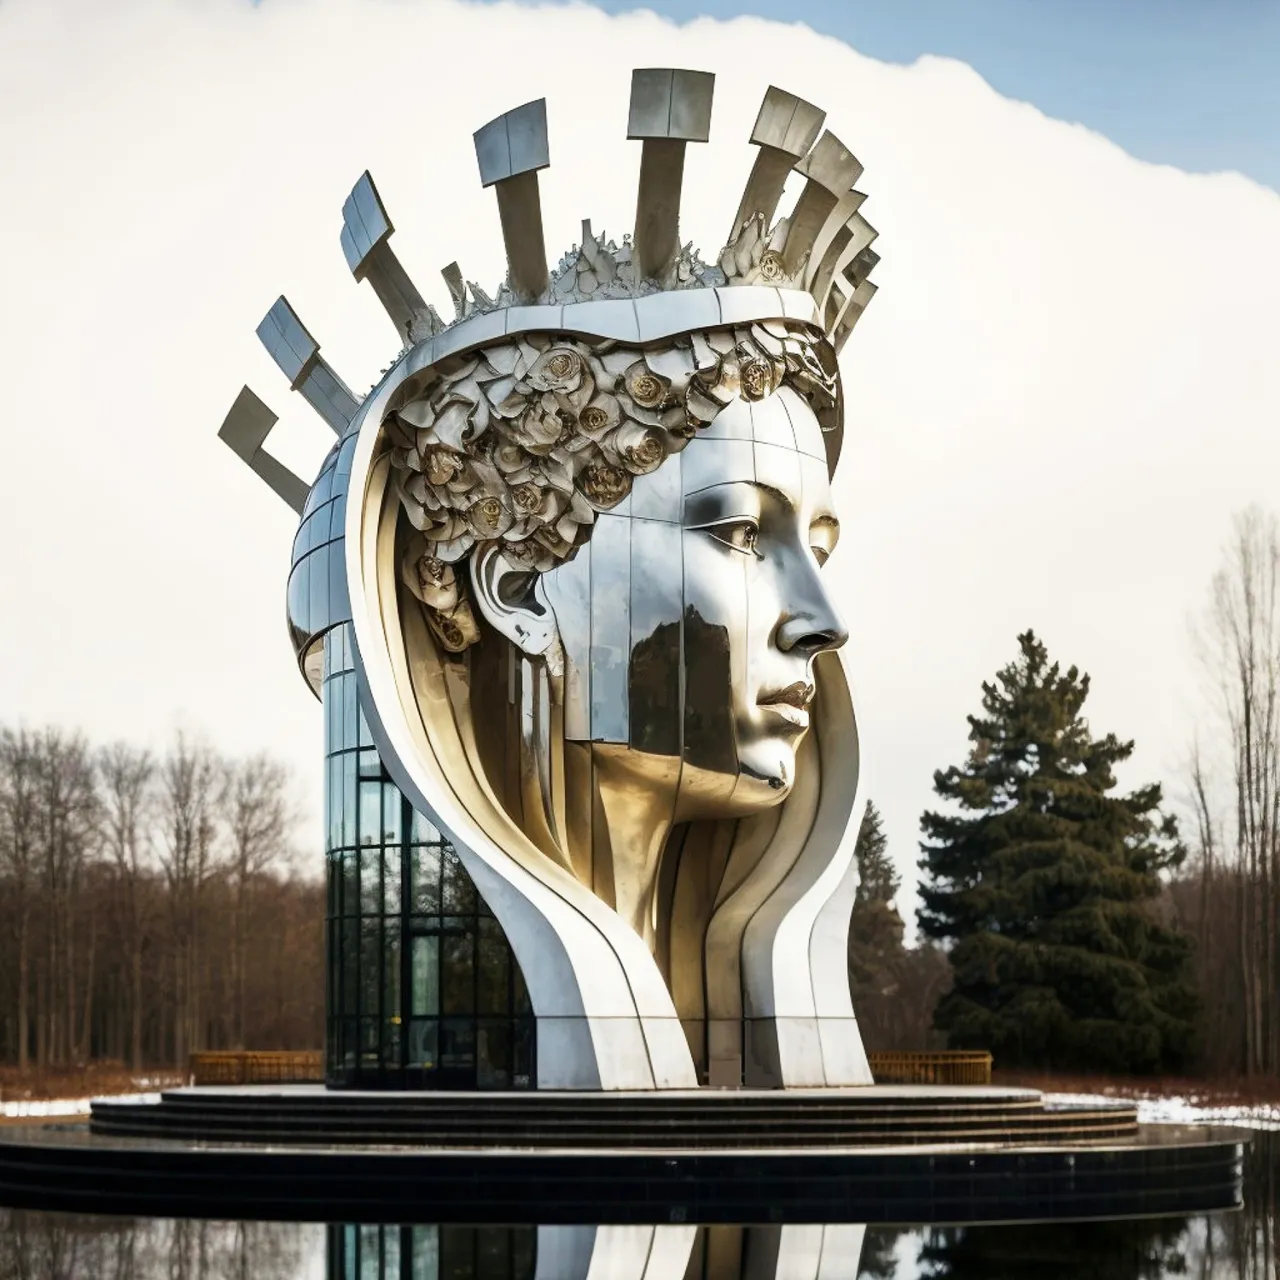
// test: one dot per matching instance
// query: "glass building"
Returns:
(422, 988)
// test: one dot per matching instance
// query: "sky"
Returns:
(1066, 386)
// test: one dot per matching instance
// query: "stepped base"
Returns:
(883, 1154)
(696, 1120)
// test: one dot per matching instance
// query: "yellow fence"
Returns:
(305, 1067)
(952, 1066)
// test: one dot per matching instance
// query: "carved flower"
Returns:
(771, 267)
(646, 388)
(600, 416)
(488, 518)
(455, 628)
(605, 485)
(440, 465)
(557, 370)
(756, 379)
(432, 581)
(536, 430)
(527, 498)
(639, 449)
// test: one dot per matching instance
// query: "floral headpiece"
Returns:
(524, 442)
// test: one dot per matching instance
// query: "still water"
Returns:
(1233, 1246)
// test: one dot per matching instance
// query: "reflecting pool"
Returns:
(1243, 1245)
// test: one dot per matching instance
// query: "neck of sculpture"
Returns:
(633, 816)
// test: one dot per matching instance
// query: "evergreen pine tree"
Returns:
(875, 927)
(1044, 882)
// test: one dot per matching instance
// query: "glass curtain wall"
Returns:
(431, 1253)
(423, 989)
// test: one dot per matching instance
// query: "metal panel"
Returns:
(707, 463)
(287, 341)
(365, 224)
(786, 122)
(610, 548)
(516, 142)
(771, 424)
(654, 651)
(670, 103)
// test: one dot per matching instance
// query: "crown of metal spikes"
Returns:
(810, 267)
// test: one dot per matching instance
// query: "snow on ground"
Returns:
(45, 1108)
(1177, 1110)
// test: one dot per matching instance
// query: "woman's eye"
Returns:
(742, 535)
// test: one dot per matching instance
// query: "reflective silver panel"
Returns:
(610, 549)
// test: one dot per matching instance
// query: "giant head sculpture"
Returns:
(585, 534)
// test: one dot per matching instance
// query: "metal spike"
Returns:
(669, 108)
(245, 430)
(831, 170)
(366, 230)
(852, 238)
(511, 150)
(457, 287)
(298, 355)
(785, 130)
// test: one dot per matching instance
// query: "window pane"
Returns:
(371, 882)
(425, 975)
(426, 881)
(362, 727)
(390, 1253)
(391, 881)
(458, 895)
(457, 1044)
(333, 801)
(491, 969)
(422, 831)
(348, 798)
(369, 1056)
(520, 1002)
(370, 813)
(318, 588)
(524, 1035)
(350, 730)
(351, 883)
(350, 964)
(370, 954)
(370, 766)
(350, 1040)
(391, 805)
(391, 975)
(493, 1053)
(423, 1048)
(457, 986)
(426, 1253)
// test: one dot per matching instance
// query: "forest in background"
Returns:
(152, 905)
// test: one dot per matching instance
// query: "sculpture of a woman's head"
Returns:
(585, 538)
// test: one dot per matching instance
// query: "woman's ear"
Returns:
(513, 602)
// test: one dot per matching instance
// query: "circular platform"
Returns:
(885, 1154)
(896, 1115)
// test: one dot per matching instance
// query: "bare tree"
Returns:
(189, 780)
(256, 820)
(1240, 645)
(127, 777)
(19, 825)
(68, 814)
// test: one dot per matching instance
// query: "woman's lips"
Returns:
(791, 703)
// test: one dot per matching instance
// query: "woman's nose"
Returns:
(810, 623)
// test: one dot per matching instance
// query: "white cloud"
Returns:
(1066, 385)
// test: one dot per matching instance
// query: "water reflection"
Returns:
(1235, 1246)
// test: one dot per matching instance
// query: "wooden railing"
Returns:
(237, 1067)
(949, 1066)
